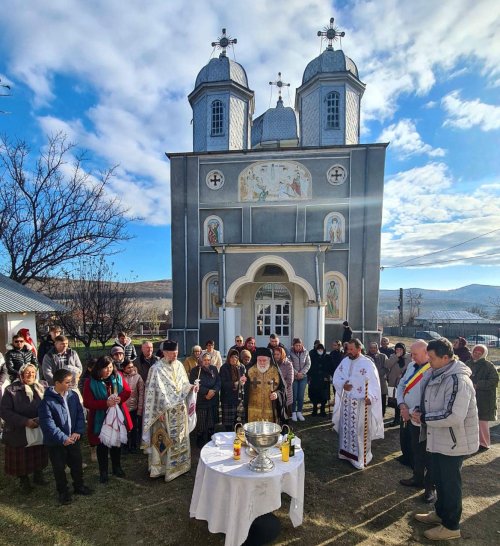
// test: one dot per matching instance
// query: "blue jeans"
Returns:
(299, 388)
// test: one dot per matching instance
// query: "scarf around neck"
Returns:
(100, 392)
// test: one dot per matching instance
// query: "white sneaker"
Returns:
(294, 416)
(300, 417)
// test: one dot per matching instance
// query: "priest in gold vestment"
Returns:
(265, 390)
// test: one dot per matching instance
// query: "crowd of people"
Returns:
(441, 404)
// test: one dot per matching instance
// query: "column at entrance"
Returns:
(315, 325)
(230, 326)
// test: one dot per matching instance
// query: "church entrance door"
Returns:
(273, 304)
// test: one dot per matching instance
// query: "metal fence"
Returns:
(448, 330)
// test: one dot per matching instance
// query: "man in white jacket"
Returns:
(448, 414)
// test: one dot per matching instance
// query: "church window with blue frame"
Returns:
(332, 110)
(217, 118)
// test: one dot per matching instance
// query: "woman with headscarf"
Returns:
(19, 410)
(461, 350)
(246, 358)
(396, 366)
(485, 380)
(232, 379)
(286, 368)
(105, 389)
(193, 359)
(318, 378)
(207, 403)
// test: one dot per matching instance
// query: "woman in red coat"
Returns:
(103, 389)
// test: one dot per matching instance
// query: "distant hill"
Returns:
(445, 300)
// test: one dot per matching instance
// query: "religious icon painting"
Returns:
(335, 291)
(215, 180)
(161, 442)
(336, 175)
(212, 231)
(334, 228)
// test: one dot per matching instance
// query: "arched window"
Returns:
(213, 231)
(217, 118)
(332, 110)
(334, 228)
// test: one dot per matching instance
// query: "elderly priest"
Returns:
(265, 390)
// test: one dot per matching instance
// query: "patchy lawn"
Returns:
(342, 505)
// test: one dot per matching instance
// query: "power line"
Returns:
(440, 262)
(445, 249)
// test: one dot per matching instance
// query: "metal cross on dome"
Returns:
(279, 83)
(224, 42)
(331, 33)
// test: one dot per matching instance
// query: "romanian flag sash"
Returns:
(416, 378)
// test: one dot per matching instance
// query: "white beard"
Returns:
(263, 369)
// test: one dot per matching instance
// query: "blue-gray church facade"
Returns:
(276, 222)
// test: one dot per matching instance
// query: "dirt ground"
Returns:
(343, 506)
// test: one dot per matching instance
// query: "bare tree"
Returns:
(478, 310)
(53, 212)
(495, 304)
(414, 301)
(97, 305)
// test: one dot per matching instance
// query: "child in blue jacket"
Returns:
(61, 420)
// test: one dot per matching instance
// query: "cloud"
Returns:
(467, 114)
(141, 62)
(406, 141)
(424, 213)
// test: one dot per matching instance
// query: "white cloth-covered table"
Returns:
(229, 496)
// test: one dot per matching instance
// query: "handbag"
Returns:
(392, 401)
(34, 437)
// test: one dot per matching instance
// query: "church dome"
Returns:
(329, 61)
(275, 125)
(222, 69)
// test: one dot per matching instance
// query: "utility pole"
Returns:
(400, 307)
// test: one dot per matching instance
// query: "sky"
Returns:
(114, 76)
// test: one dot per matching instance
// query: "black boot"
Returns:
(315, 410)
(323, 412)
(102, 459)
(116, 463)
(25, 485)
(38, 478)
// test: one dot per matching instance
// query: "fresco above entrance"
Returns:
(275, 181)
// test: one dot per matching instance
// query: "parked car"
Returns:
(427, 335)
(485, 339)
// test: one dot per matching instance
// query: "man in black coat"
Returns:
(18, 356)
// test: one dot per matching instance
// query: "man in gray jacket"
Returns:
(61, 356)
(448, 414)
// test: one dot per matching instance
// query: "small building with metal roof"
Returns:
(18, 307)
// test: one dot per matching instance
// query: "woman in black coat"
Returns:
(232, 378)
(207, 403)
(318, 378)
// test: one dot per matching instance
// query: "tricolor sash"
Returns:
(415, 378)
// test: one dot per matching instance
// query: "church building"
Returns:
(276, 219)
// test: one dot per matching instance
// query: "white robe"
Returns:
(166, 441)
(349, 410)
